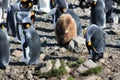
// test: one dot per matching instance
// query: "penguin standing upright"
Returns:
(95, 41)
(21, 5)
(4, 48)
(30, 43)
(98, 14)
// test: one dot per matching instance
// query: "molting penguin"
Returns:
(63, 9)
(95, 41)
(65, 29)
(30, 43)
(4, 48)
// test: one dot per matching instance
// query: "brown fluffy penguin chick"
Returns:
(65, 29)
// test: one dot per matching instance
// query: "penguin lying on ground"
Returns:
(95, 41)
(4, 48)
(65, 29)
(31, 44)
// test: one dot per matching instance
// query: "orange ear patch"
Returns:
(27, 25)
(89, 43)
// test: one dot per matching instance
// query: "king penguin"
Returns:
(31, 44)
(98, 14)
(4, 48)
(95, 41)
(12, 19)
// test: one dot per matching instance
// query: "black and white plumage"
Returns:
(13, 19)
(31, 44)
(95, 41)
(4, 49)
(98, 14)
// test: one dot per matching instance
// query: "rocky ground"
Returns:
(16, 70)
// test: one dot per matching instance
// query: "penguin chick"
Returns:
(65, 29)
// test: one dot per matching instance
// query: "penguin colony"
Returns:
(67, 25)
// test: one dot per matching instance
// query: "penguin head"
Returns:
(26, 3)
(62, 6)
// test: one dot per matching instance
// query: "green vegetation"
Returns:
(76, 64)
(95, 70)
(53, 72)
(70, 78)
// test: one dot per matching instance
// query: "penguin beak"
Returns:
(89, 43)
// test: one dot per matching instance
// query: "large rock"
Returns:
(94, 77)
(90, 64)
(57, 64)
(29, 75)
(42, 56)
(78, 41)
(17, 53)
(47, 67)
(68, 69)
(81, 69)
